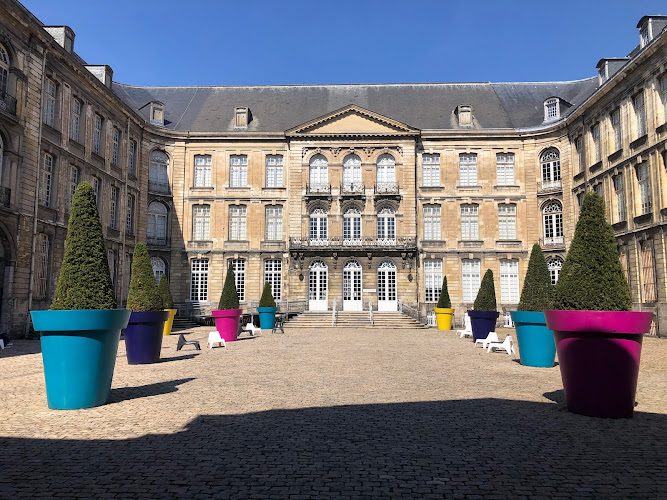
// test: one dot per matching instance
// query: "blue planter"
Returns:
(267, 317)
(537, 346)
(143, 336)
(79, 353)
(482, 323)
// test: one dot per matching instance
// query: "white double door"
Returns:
(387, 287)
(317, 286)
(352, 287)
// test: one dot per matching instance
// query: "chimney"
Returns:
(609, 66)
(103, 73)
(63, 35)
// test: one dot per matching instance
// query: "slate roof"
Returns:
(277, 108)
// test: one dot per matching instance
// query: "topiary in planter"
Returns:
(443, 310)
(484, 315)
(229, 299)
(444, 302)
(165, 293)
(486, 296)
(143, 294)
(228, 314)
(537, 288)
(267, 299)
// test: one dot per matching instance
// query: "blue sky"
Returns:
(262, 42)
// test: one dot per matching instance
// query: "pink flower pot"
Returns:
(227, 323)
(598, 354)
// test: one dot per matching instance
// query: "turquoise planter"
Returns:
(536, 342)
(79, 353)
(267, 317)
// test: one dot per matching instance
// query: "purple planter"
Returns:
(143, 336)
(482, 323)
(598, 354)
(227, 323)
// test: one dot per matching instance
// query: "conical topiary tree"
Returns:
(537, 288)
(165, 293)
(143, 295)
(85, 280)
(444, 302)
(592, 278)
(229, 299)
(267, 299)
(486, 296)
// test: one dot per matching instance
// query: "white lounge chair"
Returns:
(215, 338)
(251, 329)
(506, 344)
(491, 337)
(467, 331)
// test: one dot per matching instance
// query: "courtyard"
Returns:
(329, 413)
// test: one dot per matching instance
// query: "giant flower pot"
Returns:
(143, 336)
(443, 317)
(227, 323)
(267, 317)
(536, 341)
(482, 323)
(598, 354)
(79, 353)
(170, 321)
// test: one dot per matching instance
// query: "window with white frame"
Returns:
(619, 189)
(318, 173)
(41, 276)
(467, 169)
(644, 189)
(550, 163)
(505, 169)
(97, 190)
(75, 120)
(97, 134)
(352, 226)
(113, 207)
(551, 109)
(159, 268)
(616, 128)
(579, 148)
(470, 222)
(599, 189)
(509, 281)
(663, 97)
(47, 178)
(552, 217)
(157, 223)
(273, 274)
(432, 279)
(274, 222)
(132, 158)
(74, 174)
(432, 222)
(640, 113)
(555, 264)
(351, 171)
(238, 171)
(203, 170)
(50, 91)
(4, 70)
(274, 171)
(237, 222)
(129, 217)
(507, 222)
(597, 146)
(238, 265)
(470, 274)
(201, 222)
(431, 169)
(386, 170)
(386, 226)
(318, 226)
(648, 272)
(115, 146)
(199, 280)
(158, 176)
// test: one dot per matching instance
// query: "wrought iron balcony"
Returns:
(367, 243)
(8, 103)
(5, 194)
(554, 241)
(159, 187)
(318, 189)
(159, 241)
(551, 185)
(352, 189)
(390, 188)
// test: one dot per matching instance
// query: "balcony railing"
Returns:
(159, 241)
(158, 187)
(554, 240)
(8, 103)
(352, 242)
(352, 188)
(5, 194)
(386, 188)
(549, 185)
(318, 188)
(356, 243)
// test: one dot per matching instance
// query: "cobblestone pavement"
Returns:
(329, 414)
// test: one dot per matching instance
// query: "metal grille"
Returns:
(648, 272)
(41, 276)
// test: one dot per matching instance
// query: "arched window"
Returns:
(351, 170)
(352, 227)
(318, 227)
(319, 173)
(157, 224)
(386, 227)
(386, 170)
(4, 72)
(550, 162)
(555, 264)
(159, 268)
(552, 216)
(158, 180)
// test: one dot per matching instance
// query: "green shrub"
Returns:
(443, 301)
(143, 294)
(537, 288)
(85, 281)
(592, 278)
(486, 296)
(165, 293)
(229, 299)
(267, 299)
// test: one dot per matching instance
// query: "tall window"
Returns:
(663, 97)
(274, 170)
(47, 178)
(199, 280)
(159, 268)
(386, 170)
(616, 127)
(468, 169)
(274, 222)
(431, 169)
(386, 226)
(595, 138)
(129, 220)
(132, 159)
(237, 222)
(158, 178)
(640, 113)
(318, 226)
(113, 208)
(201, 222)
(41, 266)
(157, 223)
(509, 281)
(97, 190)
(470, 274)
(73, 182)
(352, 227)
(644, 188)
(619, 188)
(97, 134)
(238, 265)
(470, 222)
(352, 171)
(318, 173)
(623, 259)
(432, 224)
(505, 169)
(432, 280)
(552, 216)
(4, 71)
(550, 163)
(579, 148)
(115, 146)
(75, 120)
(202, 170)
(238, 174)
(50, 102)
(507, 222)
(273, 274)
(648, 271)
(555, 264)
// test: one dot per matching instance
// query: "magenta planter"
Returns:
(227, 323)
(598, 354)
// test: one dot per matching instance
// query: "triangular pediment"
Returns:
(352, 120)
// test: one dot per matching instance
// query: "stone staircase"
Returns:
(183, 324)
(359, 320)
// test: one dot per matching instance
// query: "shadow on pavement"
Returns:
(126, 393)
(178, 358)
(20, 347)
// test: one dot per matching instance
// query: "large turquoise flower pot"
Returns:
(536, 342)
(79, 353)
(267, 317)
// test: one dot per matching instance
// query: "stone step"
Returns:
(354, 319)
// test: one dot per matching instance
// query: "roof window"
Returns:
(157, 113)
(464, 113)
(241, 117)
(551, 109)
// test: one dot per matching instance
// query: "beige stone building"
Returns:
(345, 196)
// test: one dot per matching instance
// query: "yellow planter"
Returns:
(169, 322)
(443, 318)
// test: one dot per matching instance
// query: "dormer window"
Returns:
(644, 36)
(464, 113)
(551, 109)
(241, 117)
(602, 73)
(157, 113)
